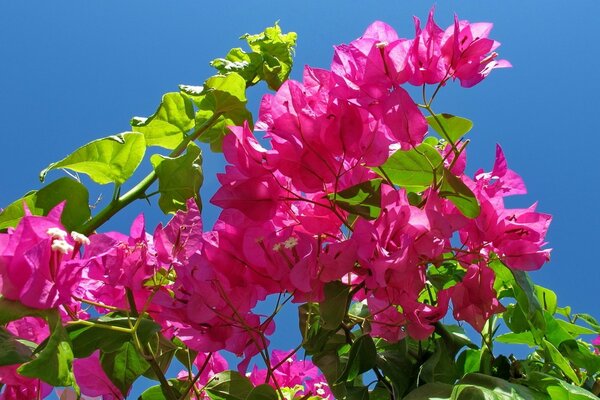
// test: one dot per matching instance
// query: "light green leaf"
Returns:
(247, 65)
(229, 385)
(557, 388)
(478, 386)
(123, 366)
(109, 160)
(469, 361)
(40, 202)
(412, 169)
(363, 199)
(449, 126)
(54, 363)
(554, 356)
(459, 194)
(179, 178)
(517, 338)
(262, 392)
(547, 298)
(169, 124)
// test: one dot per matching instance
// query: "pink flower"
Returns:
(92, 380)
(474, 298)
(39, 265)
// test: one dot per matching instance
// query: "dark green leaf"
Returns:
(396, 364)
(123, 366)
(459, 194)
(179, 178)
(40, 202)
(13, 310)
(12, 350)
(329, 364)
(440, 366)
(362, 357)
(333, 307)
(54, 363)
(229, 385)
(413, 169)
(169, 124)
(157, 392)
(363, 199)
(449, 126)
(111, 159)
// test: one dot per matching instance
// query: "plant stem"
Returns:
(138, 191)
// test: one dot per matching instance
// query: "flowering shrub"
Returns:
(354, 204)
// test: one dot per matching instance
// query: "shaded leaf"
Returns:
(362, 358)
(363, 199)
(123, 366)
(459, 194)
(229, 385)
(12, 350)
(333, 307)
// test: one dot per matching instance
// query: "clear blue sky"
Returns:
(74, 71)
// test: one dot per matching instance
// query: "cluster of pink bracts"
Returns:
(280, 232)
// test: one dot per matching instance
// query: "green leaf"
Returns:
(123, 366)
(54, 363)
(276, 49)
(40, 202)
(547, 298)
(13, 350)
(554, 356)
(329, 364)
(262, 392)
(111, 159)
(517, 338)
(580, 355)
(363, 199)
(179, 178)
(450, 127)
(469, 361)
(169, 124)
(588, 319)
(440, 366)
(557, 388)
(431, 391)
(362, 357)
(229, 385)
(479, 386)
(573, 329)
(396, 364)
(223, 98)
(315, 338)
(179, 387)
(87, 339)
(459, 194)
(412, 169)
(333, 307)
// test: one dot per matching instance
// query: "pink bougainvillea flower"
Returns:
(39, 264)
(469, 52)
(474, 298)
(426, 53)
(500, 181)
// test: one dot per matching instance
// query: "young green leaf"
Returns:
(169, 124)
(449, 126)
(109, 160)
(276, 49)
(247, 65)
(179, 178)
(363, 199)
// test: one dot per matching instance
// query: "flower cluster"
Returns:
(282, 229)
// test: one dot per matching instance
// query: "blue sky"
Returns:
(74, 71)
